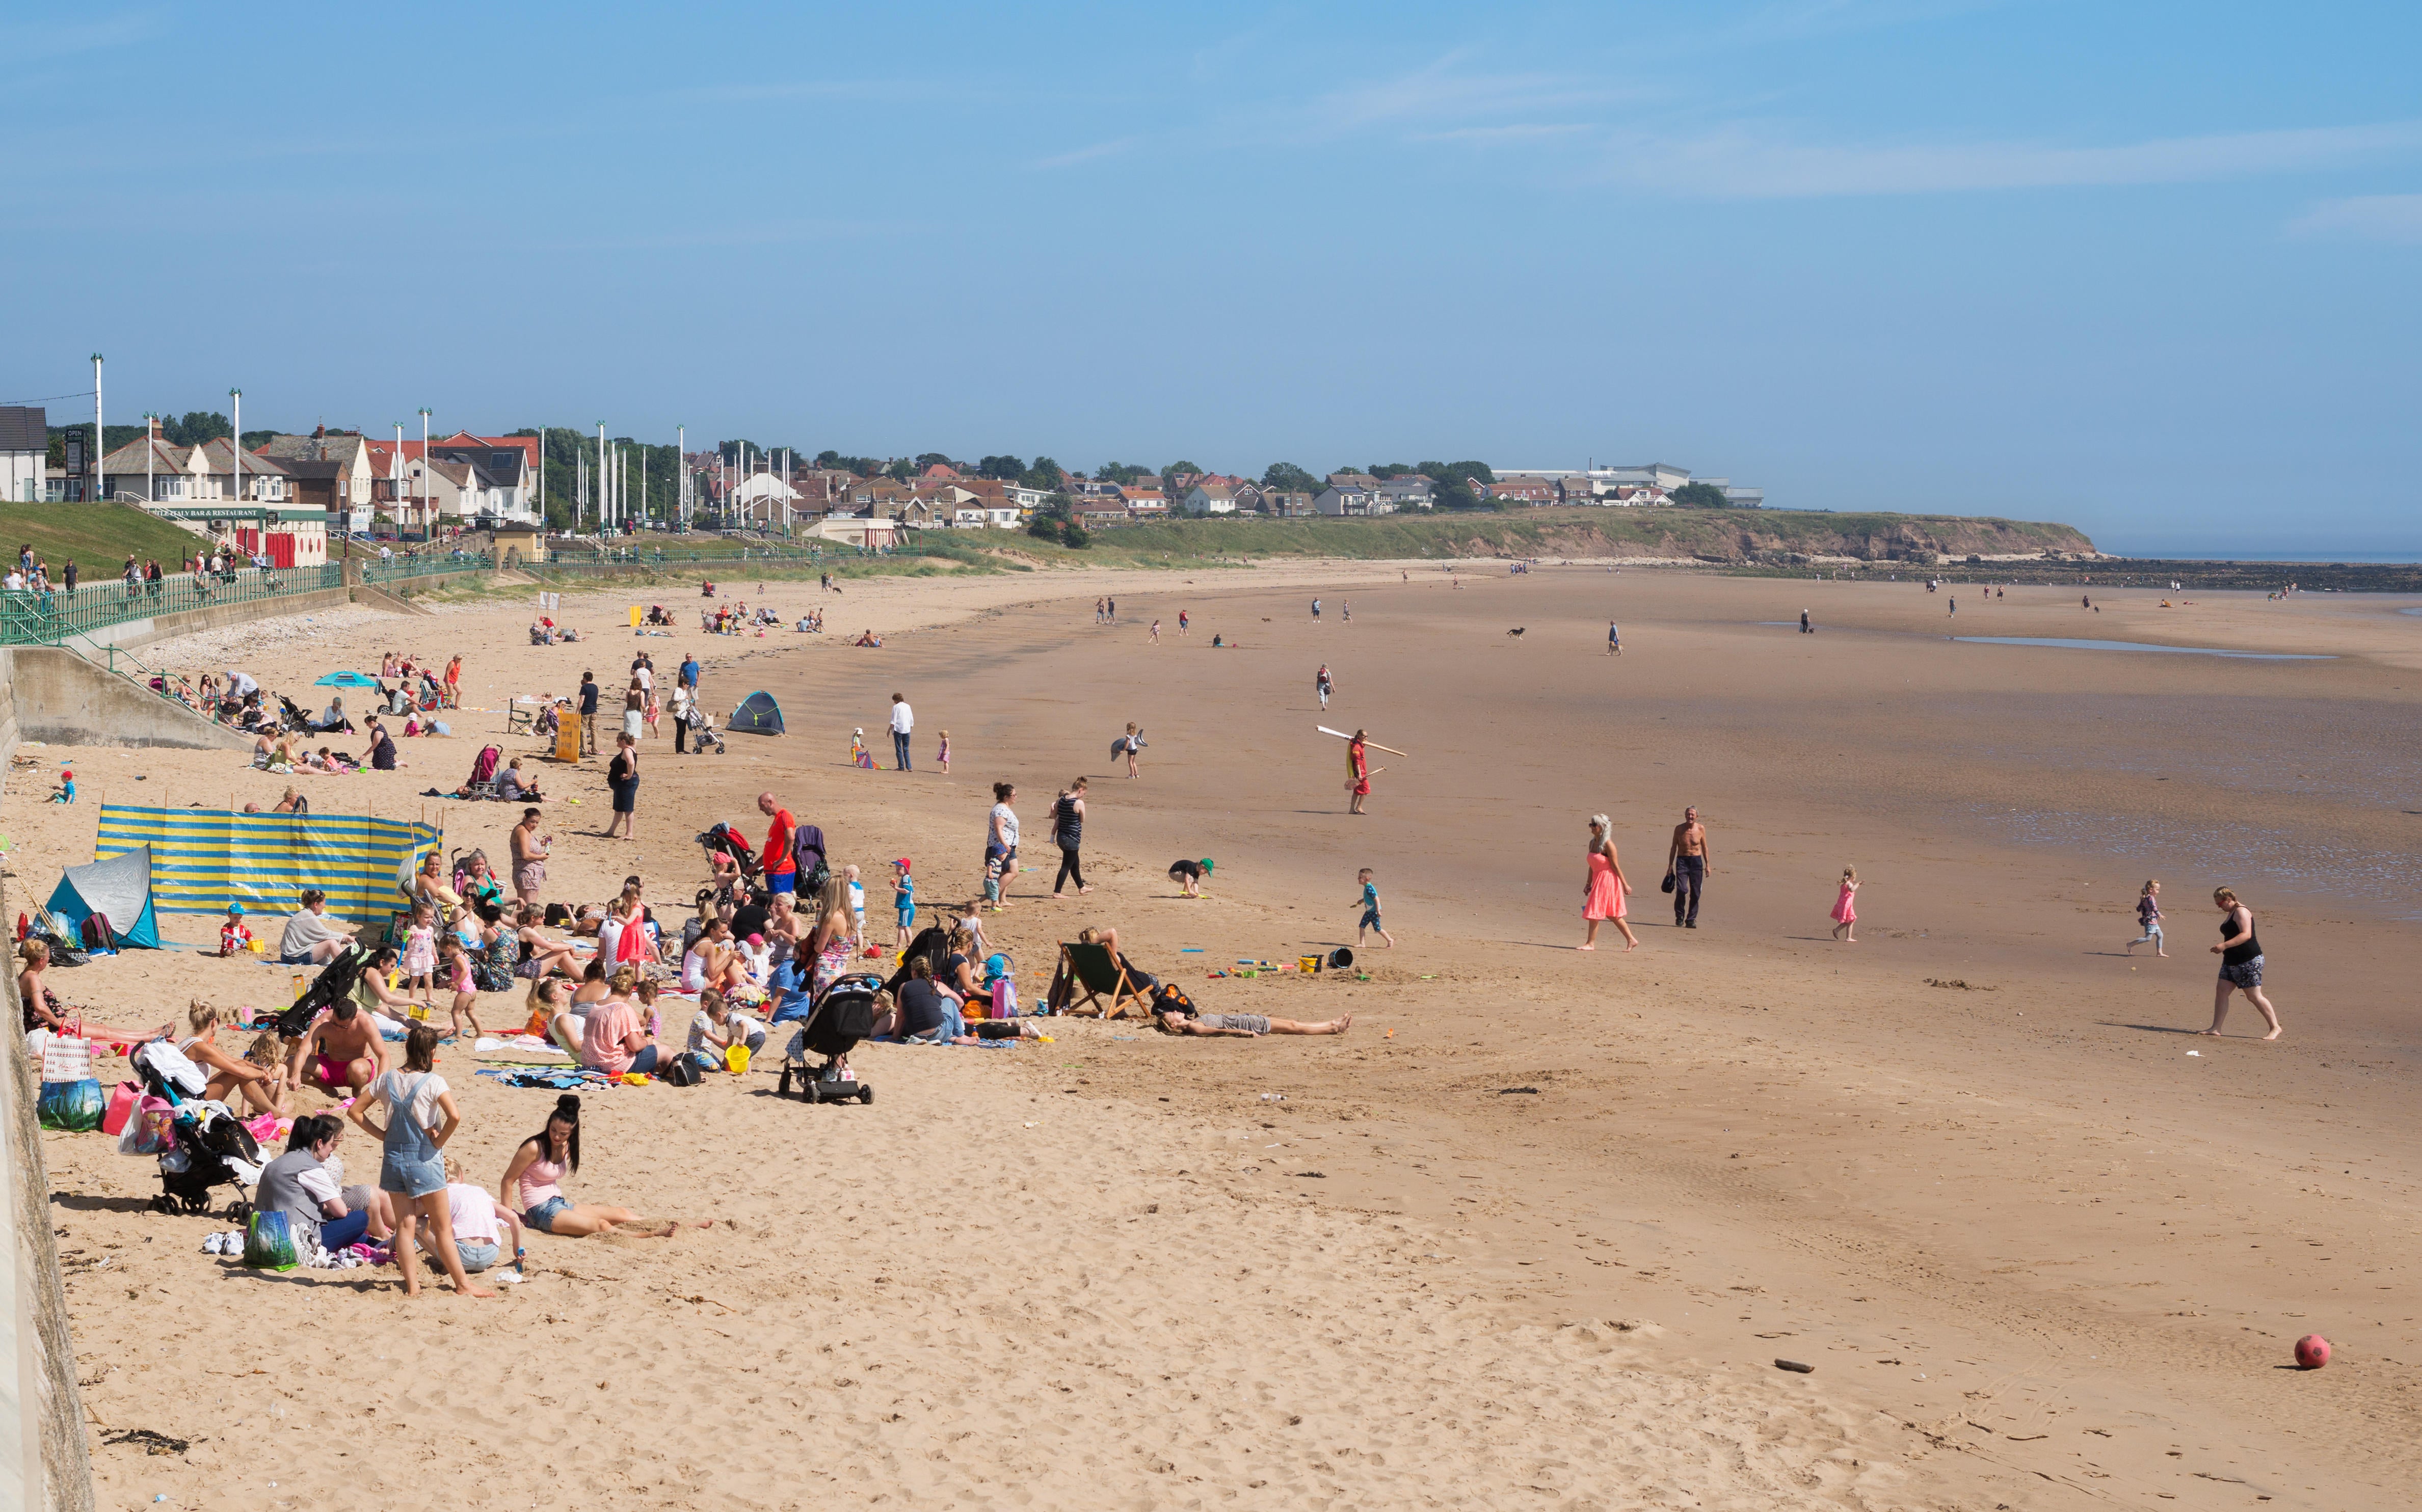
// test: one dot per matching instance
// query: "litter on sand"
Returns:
(2195, 1052)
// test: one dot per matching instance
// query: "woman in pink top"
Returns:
(614, 1041)
(544, 1160)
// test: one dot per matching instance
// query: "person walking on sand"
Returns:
(2148, 920)
(1804, 628)
(421, 1119)
(1687, 866)
(1183, 621)
(1156, 632)
(1370, 903)
(1322, 684)
(1068, 833)
(2241, 963)
(1315, 609)
(1130, 746)
(1602, 892)
(903, 720)
(1846, 907)
(1614, 638)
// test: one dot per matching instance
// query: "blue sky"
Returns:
(2150, 269)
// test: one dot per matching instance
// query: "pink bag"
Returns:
(121, 1108)
(153, 1131)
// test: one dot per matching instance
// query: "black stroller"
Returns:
(842, 1017)
(212, 1146)
(336, 981)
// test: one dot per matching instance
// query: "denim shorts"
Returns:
(542, 1216)
(411, 1177)
(2246, 974)
(477, 1255)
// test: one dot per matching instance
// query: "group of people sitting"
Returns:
(543, 631)
(284, 751)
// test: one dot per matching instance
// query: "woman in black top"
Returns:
(2241, 963)
(1068, 832)
(622, 776)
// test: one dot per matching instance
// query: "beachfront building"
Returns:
(1346, 500)
(1525, 490)
(1144, 501)
(1207, 498)
(24, 445)
(1409, 491)
(1285, 506)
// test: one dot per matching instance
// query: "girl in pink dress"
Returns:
(1602, 894)
(1846, 913)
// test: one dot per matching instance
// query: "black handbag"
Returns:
(1667, 885)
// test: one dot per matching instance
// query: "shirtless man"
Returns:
(342, 1053)
(1689, 864)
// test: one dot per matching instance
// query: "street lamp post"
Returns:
(235, 443)
(427, 532)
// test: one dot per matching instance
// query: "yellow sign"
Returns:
(634, 616)
(567, 739)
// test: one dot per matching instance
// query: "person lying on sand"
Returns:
(44, 1011)
(532, 1183)
(1246, 1025)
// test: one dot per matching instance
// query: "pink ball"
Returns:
(2312, 1351)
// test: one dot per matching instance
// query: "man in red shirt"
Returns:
(781, 868)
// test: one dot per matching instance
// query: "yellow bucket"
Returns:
(1306, 964)
(737, 1058)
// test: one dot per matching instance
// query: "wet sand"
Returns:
(2039, 1254)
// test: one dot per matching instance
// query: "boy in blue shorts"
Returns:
(1371, 911)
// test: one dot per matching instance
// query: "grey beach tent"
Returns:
(758, 714)
(118, 888)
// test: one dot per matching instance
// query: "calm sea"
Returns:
(2189, 554)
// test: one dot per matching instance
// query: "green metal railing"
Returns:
(48, 617)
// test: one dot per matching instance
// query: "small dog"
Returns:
(1516, 633)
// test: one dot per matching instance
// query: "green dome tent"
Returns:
(758, 714)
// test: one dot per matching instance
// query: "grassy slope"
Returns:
(1579, 532)
(99, 537)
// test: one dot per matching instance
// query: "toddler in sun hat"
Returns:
(235, 936)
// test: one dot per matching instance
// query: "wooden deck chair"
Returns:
(1092, 970)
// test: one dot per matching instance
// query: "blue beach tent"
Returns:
(118, 888)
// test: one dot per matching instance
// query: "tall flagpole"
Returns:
(601, 476)
(97, 478)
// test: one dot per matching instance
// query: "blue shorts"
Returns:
(541, 1217)
(477, 1255)
(1370, 919)
(783, 882)
(410, 1178)
(907, 918)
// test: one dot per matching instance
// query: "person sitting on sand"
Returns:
(264, 1090)
(479, 1223)
(44, 1011)
(540, 954)
(924, 1012)
(514, 786)
(309, 938)
(301, 1185)
(714, 962)
(390, 1011)
(532, 1181)
(340, 1054)
(612, 1038)
(1245, 1026)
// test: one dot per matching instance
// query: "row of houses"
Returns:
(1648, 485)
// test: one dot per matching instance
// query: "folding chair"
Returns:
(1093, 970)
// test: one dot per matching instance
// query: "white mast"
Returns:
(97, 478)
(427, 530)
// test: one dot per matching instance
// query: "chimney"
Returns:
(155, 428)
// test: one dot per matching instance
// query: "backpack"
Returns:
(1167, 998)
(683, 1071)
(96, 933)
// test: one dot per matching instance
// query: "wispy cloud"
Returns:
(1749, 162)
(1514, 131)
(2364, 218)
(1439, 91)
(1083, 154)
(40, 40)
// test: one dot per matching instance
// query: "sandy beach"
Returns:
(1535, 1232)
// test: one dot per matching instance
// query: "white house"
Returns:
(1343, 499)
(24, 442)
(1210, 499)
(1409, 491)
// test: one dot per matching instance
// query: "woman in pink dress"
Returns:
(1846, 907)
(1602, 894)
